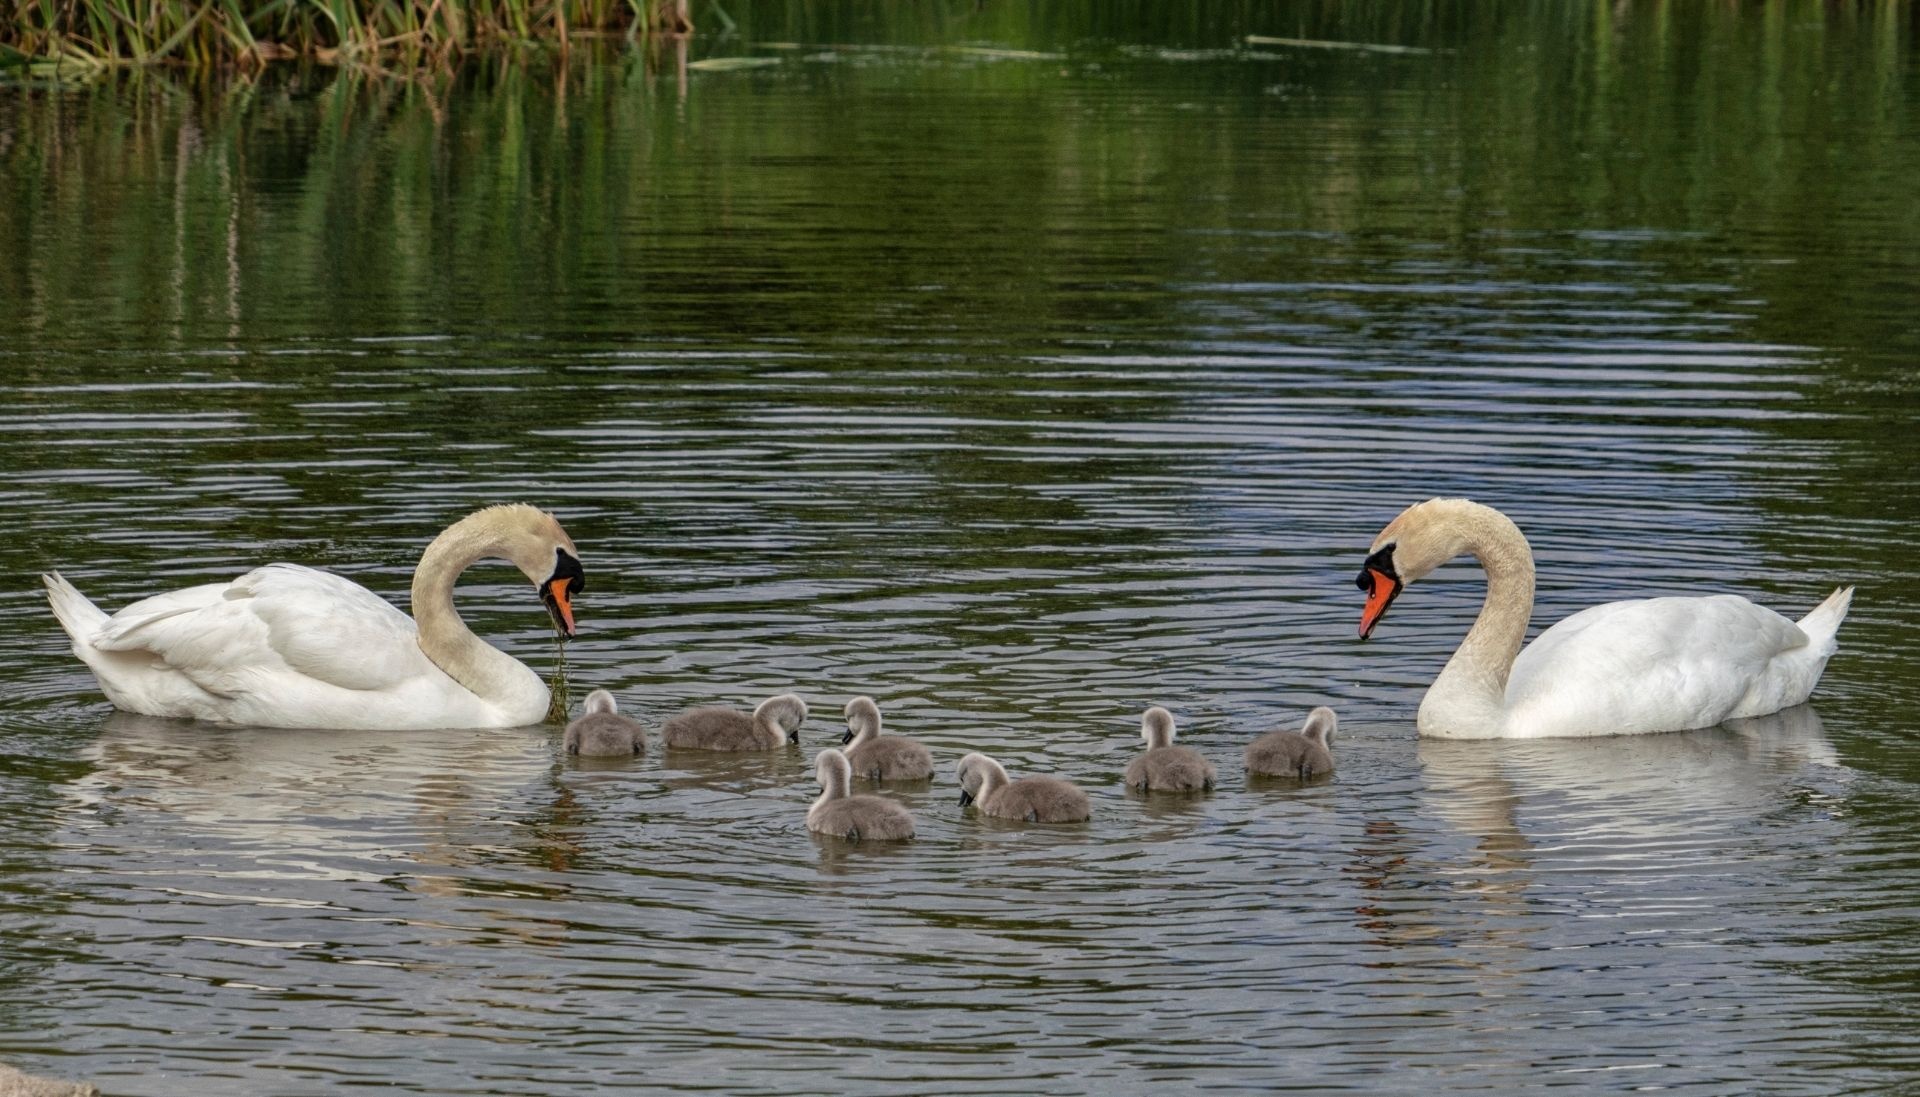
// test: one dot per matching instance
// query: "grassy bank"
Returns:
(247, 33)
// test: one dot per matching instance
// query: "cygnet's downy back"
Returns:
(1166, 767)
(1302, 755)
(774, 724)
(601, 732)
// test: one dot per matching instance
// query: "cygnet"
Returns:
(1165, 767)
(984, 781)
(855, 818)
(1303, 754)
(878, 757)
(774, 724)
(601, 732)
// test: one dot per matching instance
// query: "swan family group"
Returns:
(291, 647)
(602, 731)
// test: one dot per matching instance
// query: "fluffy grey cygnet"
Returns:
(1303, 754)
(984, 781)
(1165, 767)
(774, 724)
(601, 732)
(855, 818)
(880, 757)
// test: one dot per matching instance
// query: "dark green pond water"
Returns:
(1020, 390)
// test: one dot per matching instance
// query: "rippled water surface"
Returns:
(1020, 391)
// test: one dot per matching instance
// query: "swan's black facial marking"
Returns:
(1381, 562)
(567, 567)
(1382, 584)
(567, 580)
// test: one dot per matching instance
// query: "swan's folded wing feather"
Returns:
(331, 628)
(128, 629)
(272, 619)
(1647, 662)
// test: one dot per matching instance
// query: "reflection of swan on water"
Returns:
(316, 801)
(1645, 785)
(1658, 805)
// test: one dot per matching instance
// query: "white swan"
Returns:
(1652, 664)
(288, 646)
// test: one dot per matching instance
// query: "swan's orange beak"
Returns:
(567, 580)
(559, 602)
(1381, 588)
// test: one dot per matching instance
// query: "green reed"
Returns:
(559, 690)
(92, 34)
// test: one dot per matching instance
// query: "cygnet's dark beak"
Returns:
(847, 738)
(965, 797)
(793, 736)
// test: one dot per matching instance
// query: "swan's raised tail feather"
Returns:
(80, 617)
(1822, 626)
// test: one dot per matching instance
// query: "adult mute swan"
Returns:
(288, 646)
(1651, 664)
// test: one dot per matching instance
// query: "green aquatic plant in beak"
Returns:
(560, 697)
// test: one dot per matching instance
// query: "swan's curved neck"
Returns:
(834, 784)
(1468, 699)
(993, 777)
(490, 673)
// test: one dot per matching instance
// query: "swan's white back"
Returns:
(1662, 664)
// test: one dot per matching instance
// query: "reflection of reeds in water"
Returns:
(86, 34)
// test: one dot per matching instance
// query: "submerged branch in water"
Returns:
(1326, 44)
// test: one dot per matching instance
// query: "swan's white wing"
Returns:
(279, 618)
(1654, 664)
(333, 629)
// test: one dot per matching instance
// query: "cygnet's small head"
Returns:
(863, 720)
(786, 712)
(832, 770)
(974, 771)
(1320, 726)
(1156, 727)
(600, 701)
